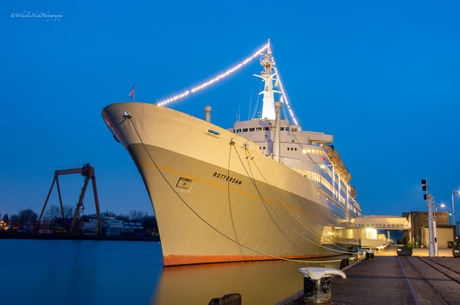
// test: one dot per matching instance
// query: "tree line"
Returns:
(54, 214)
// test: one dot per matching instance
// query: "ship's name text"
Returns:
(226, 178)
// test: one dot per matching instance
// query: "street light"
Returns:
(453, 211)
(442, 205)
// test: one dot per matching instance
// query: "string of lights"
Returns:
(283, 92)
(227, 73)
(215, 79)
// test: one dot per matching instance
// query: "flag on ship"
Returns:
(131, 94)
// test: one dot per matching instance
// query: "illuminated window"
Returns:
(304, 150)
(308, 151)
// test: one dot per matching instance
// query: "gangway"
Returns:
(87, 171)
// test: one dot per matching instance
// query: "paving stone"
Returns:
(382, 281)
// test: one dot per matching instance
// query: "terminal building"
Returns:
(364, 231)
(418, 232)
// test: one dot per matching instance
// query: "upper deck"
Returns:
(303, 152)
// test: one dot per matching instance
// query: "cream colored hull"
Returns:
(216, 197)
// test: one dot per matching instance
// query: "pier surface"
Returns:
(393, 279)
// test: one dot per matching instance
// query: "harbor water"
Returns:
(131, 272)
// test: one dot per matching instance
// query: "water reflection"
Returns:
(119, 272)
(257, 282)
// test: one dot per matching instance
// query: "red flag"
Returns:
(131, 94)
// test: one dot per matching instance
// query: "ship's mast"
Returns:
(268, 110)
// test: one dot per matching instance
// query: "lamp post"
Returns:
(453, 211)
(442, 205)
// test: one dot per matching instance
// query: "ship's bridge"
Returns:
(263, 130)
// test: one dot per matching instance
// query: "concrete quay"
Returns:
(392, 279)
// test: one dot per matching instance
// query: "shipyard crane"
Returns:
(87, 171)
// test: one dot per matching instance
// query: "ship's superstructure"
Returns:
(303, 151)
(263, 189)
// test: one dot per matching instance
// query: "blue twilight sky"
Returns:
(382, 77)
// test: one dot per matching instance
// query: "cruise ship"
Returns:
(263, 189)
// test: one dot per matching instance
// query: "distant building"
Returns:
(419, 229)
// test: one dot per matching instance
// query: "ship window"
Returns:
(313, 151)
(300, 141)
(308, 150)
(293, 141)
(294, 129)
(245, 130)
(259, 129)
(266, 128)
(296, 149)
(288, 148)
(304, 150)
(282, 128)
(238, 130)
(251, 129)
(264, 148)
(287, 128)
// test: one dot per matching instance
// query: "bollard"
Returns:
(229, 299)
(344, 263)
(317, 284)
(369, 255)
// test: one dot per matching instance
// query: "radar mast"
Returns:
(268, 110)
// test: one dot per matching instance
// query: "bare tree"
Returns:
(26, 215)
(123, 217)
(14, 220)
(53, 213)
(137, 215)
(69, 210)
(150, 223)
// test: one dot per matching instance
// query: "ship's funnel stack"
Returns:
(207, 110)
